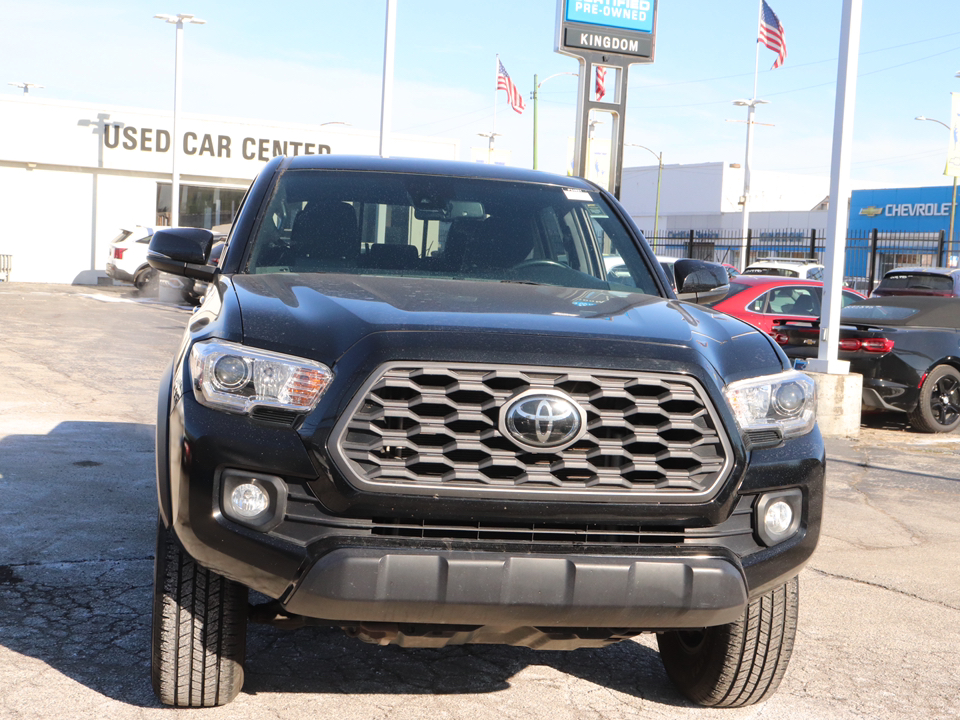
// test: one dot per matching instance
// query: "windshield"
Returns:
(778, 272)
(323, 221)
(876, 313)
(916, 281)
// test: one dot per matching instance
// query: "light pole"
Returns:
(591, 128)
(751, 106)
(25, 86)
(490, 135)
(386, 102)
(659, 157)
(179, 19)
(536, 102)
(953, 201)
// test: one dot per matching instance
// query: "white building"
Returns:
(706, 196)
(73, 174)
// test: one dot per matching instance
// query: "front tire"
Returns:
(738, 664)
(938, 407)
(199, 630)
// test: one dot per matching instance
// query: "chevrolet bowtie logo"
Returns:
(872, 211)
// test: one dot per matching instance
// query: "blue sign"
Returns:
(924, 209)
(618, 14)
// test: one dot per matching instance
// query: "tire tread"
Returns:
(741, 663)
(199, 631)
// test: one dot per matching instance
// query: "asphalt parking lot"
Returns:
(879, 629)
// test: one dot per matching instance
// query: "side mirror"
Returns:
(700, 281)
(182, 251)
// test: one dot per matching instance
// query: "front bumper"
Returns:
(118, 274)
(421, 585)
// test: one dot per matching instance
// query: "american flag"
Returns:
(772, 34)
(601, 78)
(505, 83)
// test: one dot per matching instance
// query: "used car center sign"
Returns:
(623, 27)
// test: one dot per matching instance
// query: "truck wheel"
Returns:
(938, 407)
(736, 664)
(199, 630)
(147, 281)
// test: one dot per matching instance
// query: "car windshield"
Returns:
(917, 281)
(735, 289)
(876, 313)
(323, 221)
(778, 272)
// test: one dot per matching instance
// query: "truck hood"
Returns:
(321, 316)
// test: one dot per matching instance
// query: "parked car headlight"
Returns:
(786, 402)
(237, 378)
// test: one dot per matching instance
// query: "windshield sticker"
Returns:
(580, 195)
(596, 211)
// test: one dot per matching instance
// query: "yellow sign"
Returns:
(953, 153)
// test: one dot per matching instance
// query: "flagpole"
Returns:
(496, 89)
(756, 66)
(751, 107)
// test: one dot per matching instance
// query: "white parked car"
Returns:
(127, 258)
(803, 268)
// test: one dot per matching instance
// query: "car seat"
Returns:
(325, 236)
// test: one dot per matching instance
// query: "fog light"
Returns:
(253, 499)
(778, 515)
(248, 500)
(778, 518)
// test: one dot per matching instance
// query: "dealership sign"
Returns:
(606, 37)
(615, 27)
(901, 209)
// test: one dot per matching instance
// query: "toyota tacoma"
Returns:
(414, 405)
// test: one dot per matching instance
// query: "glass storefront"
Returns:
(202, 206)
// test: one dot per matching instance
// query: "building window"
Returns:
(201, 206)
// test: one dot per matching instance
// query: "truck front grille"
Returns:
(435, 429)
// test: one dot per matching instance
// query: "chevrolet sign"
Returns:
(872, 211)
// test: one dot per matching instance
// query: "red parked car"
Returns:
(765, 300)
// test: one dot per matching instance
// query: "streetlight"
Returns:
(953, 202)
(536, 102)
(591, 127)
(178, 20)
(490, 135)
(25, 86)
(659, 156)
(751, 106)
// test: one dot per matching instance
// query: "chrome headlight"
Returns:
(234, 377)
(786, 402)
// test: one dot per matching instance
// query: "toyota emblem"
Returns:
(543, 420)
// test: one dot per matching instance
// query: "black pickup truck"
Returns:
(414, 405)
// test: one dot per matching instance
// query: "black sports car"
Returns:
(908, 350)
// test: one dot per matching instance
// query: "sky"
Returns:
(322, 61)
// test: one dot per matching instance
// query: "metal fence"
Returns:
(867, 255)
(6, 267)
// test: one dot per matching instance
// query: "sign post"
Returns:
(609, 34)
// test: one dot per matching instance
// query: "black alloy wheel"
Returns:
(938, 408)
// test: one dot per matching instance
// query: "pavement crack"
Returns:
(54, 563)
(881, 586)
